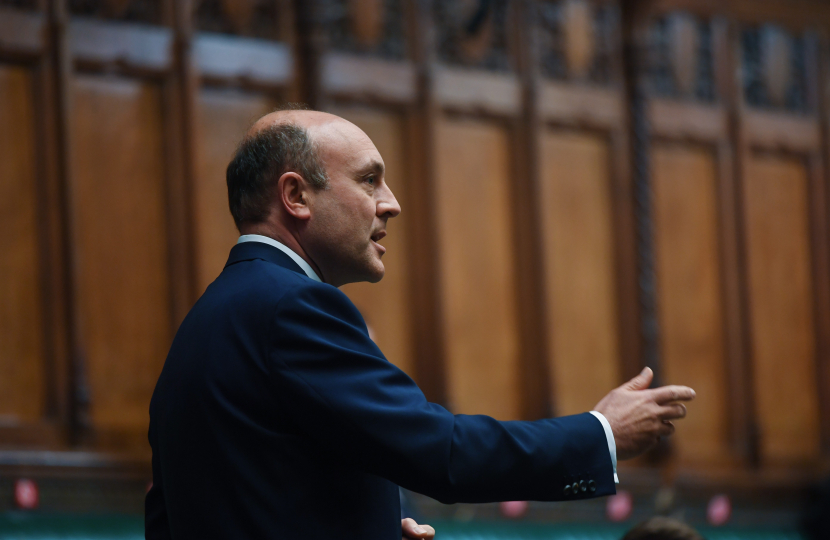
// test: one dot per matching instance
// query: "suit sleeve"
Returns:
(346, 396)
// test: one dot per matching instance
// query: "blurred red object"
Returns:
(26, 495)
(513, 509)
(619, 506)
(719, 510)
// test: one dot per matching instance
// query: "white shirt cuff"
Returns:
(612, 446)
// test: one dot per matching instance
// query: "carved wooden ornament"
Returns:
(579, 39)
(115, 9)
(366, 21)
(684, 51)
(239, 13)
(776, 51)
(474, 29)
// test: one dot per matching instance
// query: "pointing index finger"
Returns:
(667, 394)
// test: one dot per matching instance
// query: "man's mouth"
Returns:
(375, 238)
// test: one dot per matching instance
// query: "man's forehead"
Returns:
(346, 144)
(338, 141)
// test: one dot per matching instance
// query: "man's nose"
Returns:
(388, 205)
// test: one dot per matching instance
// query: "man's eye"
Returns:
(370, 180)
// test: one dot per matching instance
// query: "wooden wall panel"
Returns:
(477, 279)
(21, 321)
(385, 305)
(222, 119)
(118, 199)
(687, 264)
(578, 239)
(781, 307)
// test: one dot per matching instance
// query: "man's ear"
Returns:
(293, 191)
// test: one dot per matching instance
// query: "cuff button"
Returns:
(575, 488)
(582, 486)
(567, 490)
(592, 486)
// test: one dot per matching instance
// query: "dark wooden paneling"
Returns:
(118, 206)
(690, 306)
(477, 276)
(222, 119)
(578, 232)
(781, 307)
(21, 32)
(385, 305)
(251, 61)
(22, 385)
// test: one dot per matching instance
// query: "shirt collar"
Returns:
(309, 271)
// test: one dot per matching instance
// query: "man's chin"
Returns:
(376, 274)
(369, 275)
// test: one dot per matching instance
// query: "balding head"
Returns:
(276, 143)
(304, 118)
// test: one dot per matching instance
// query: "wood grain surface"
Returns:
(781, 308)
(476, 257)
(121, 245)
(22, 384)
(579, 268)
(689, 295)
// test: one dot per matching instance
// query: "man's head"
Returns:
(314, 182)
(662, 528)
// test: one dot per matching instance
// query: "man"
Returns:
(276, 416)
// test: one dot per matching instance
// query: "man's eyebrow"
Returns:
(373, 167)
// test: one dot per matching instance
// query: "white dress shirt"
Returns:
(309, 271)
(609, 435)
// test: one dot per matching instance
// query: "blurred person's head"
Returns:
(815, 521)
(662, 528)
(314, 182)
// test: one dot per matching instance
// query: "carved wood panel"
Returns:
(578, 234)
(143, 11)
(373, 27)
(250, 18)
(688, 265)
(474, 33)
(774, 69)
(477, 276)
(781, 307)
(22, 369)
(679, 58)
(578, 40)
(28, 5)
(120, 227)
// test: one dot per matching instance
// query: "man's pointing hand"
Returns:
(639, 416)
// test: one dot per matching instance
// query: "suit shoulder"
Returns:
(320, 306)
(313, 294)
(254, 283)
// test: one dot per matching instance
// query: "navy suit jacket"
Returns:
(276, 416)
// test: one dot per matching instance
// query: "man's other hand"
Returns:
(412, 530)
(639, 416)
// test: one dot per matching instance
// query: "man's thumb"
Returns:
(641, 381)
